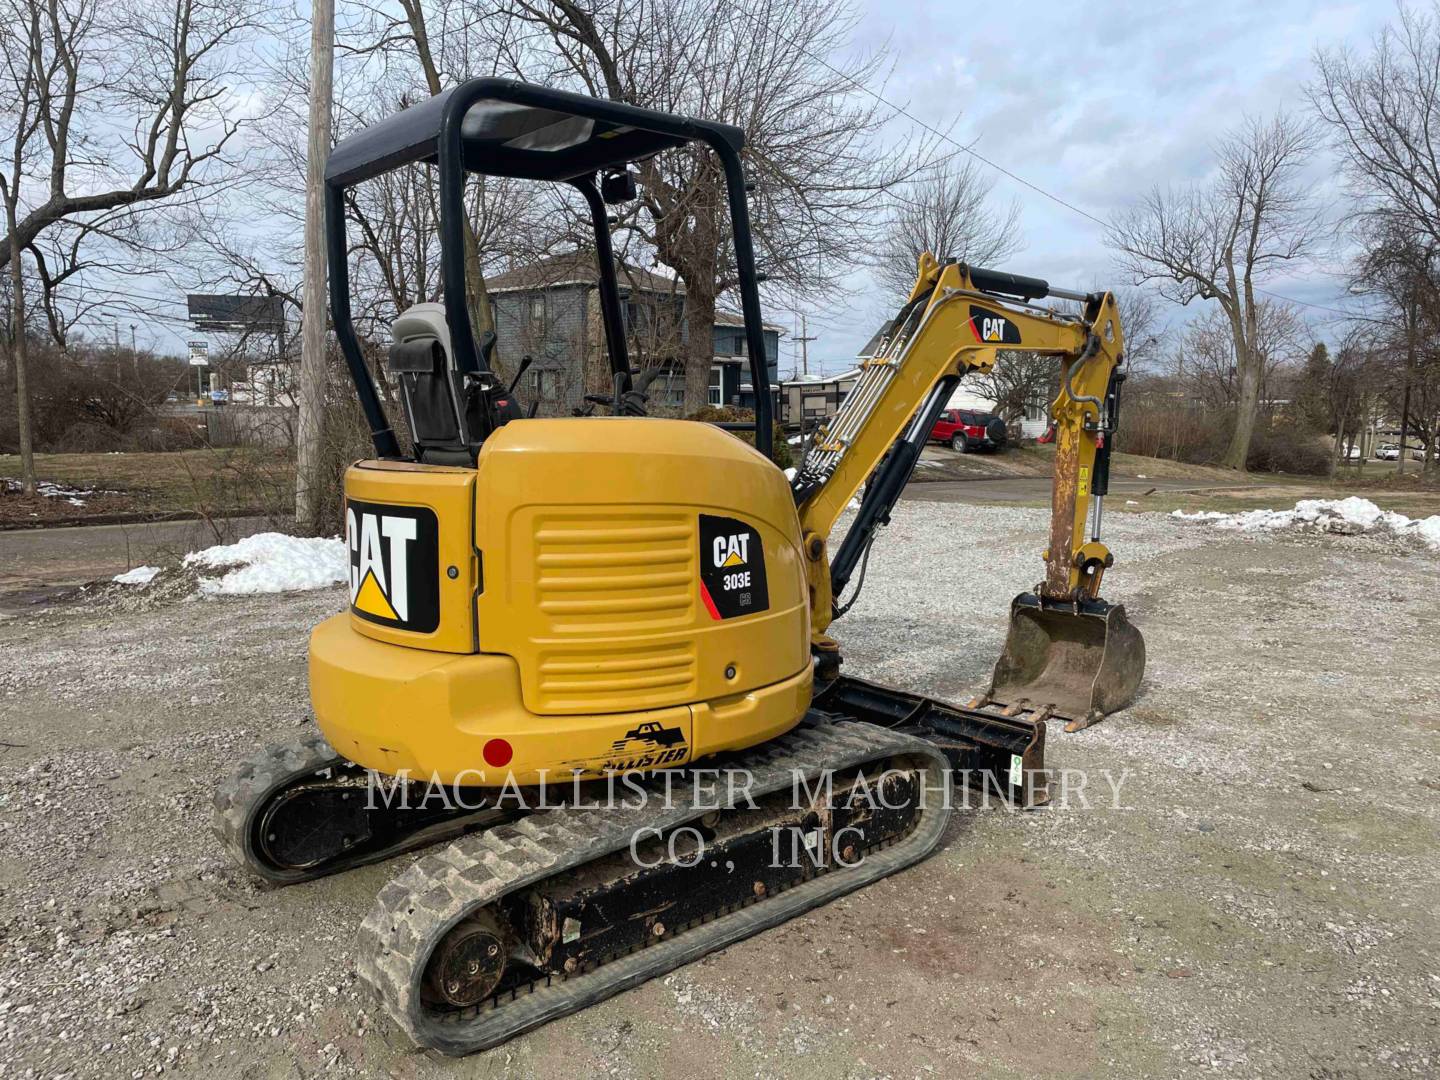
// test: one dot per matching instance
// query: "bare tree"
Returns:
(407, 36)
(1399, 267)
(1218, 240)
(948, 211)
(821, 182)
(108, 105)
(1020, 381)
(397, 241)
(387, 59)
(1211, 369)
(1023, 381)
(118, 241)
(1140, 318)
(1352, 389)
(1381, 109)
(24, 75)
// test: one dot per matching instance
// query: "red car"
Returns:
(966, 429)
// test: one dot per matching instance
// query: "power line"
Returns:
(959, 146)
(963, 148)
(1318, 307)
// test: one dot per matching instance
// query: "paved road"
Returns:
(35, 564)
(1027, 489)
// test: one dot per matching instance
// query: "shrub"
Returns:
(90, 438)
(1155, 426)
(1165, 429)
(168, 433)
(91, 399)
(1287, 449)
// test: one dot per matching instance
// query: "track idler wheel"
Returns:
(469, 963)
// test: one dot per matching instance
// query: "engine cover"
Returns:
(637, 563)
(623, 593)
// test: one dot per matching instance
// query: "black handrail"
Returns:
(749, 292)
(381, 433)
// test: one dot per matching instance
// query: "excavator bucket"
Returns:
(1076, 661)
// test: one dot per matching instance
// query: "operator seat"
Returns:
(444, 412)
(430, 387)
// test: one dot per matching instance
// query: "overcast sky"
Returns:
(1095, 103)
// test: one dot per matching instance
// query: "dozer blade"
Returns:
(1076, 661)
(988, 750)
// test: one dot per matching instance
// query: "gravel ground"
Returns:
(1261, 903)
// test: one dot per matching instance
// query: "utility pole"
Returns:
(309, 466)
(804, 342)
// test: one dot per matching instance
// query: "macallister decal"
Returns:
(394, 565)
(992, 328)
(732, 568)
(648, 745)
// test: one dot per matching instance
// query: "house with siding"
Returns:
(550, 311)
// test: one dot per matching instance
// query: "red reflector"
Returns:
(498, 753)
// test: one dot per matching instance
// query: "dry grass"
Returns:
(218, 483)
(1038, 460)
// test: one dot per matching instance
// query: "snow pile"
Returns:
(272, 562)
(1349, 516)
(49, 490)
(141, 575)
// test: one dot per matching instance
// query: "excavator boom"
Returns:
(1068, 654)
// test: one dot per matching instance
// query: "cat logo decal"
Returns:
(732, 568)
(394, 555)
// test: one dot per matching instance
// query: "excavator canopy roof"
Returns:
(499, 127)
(517, 129)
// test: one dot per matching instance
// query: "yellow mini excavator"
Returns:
(549, 604)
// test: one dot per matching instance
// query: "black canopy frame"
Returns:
(500, 127)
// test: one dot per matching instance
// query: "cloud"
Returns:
(1094, 104)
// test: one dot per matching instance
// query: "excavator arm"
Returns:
(957, 321)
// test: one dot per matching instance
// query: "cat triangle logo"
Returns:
(394, 579)
(734, 560)
(371, 600)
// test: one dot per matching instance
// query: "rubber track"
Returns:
(242, 798)
(418, 907)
